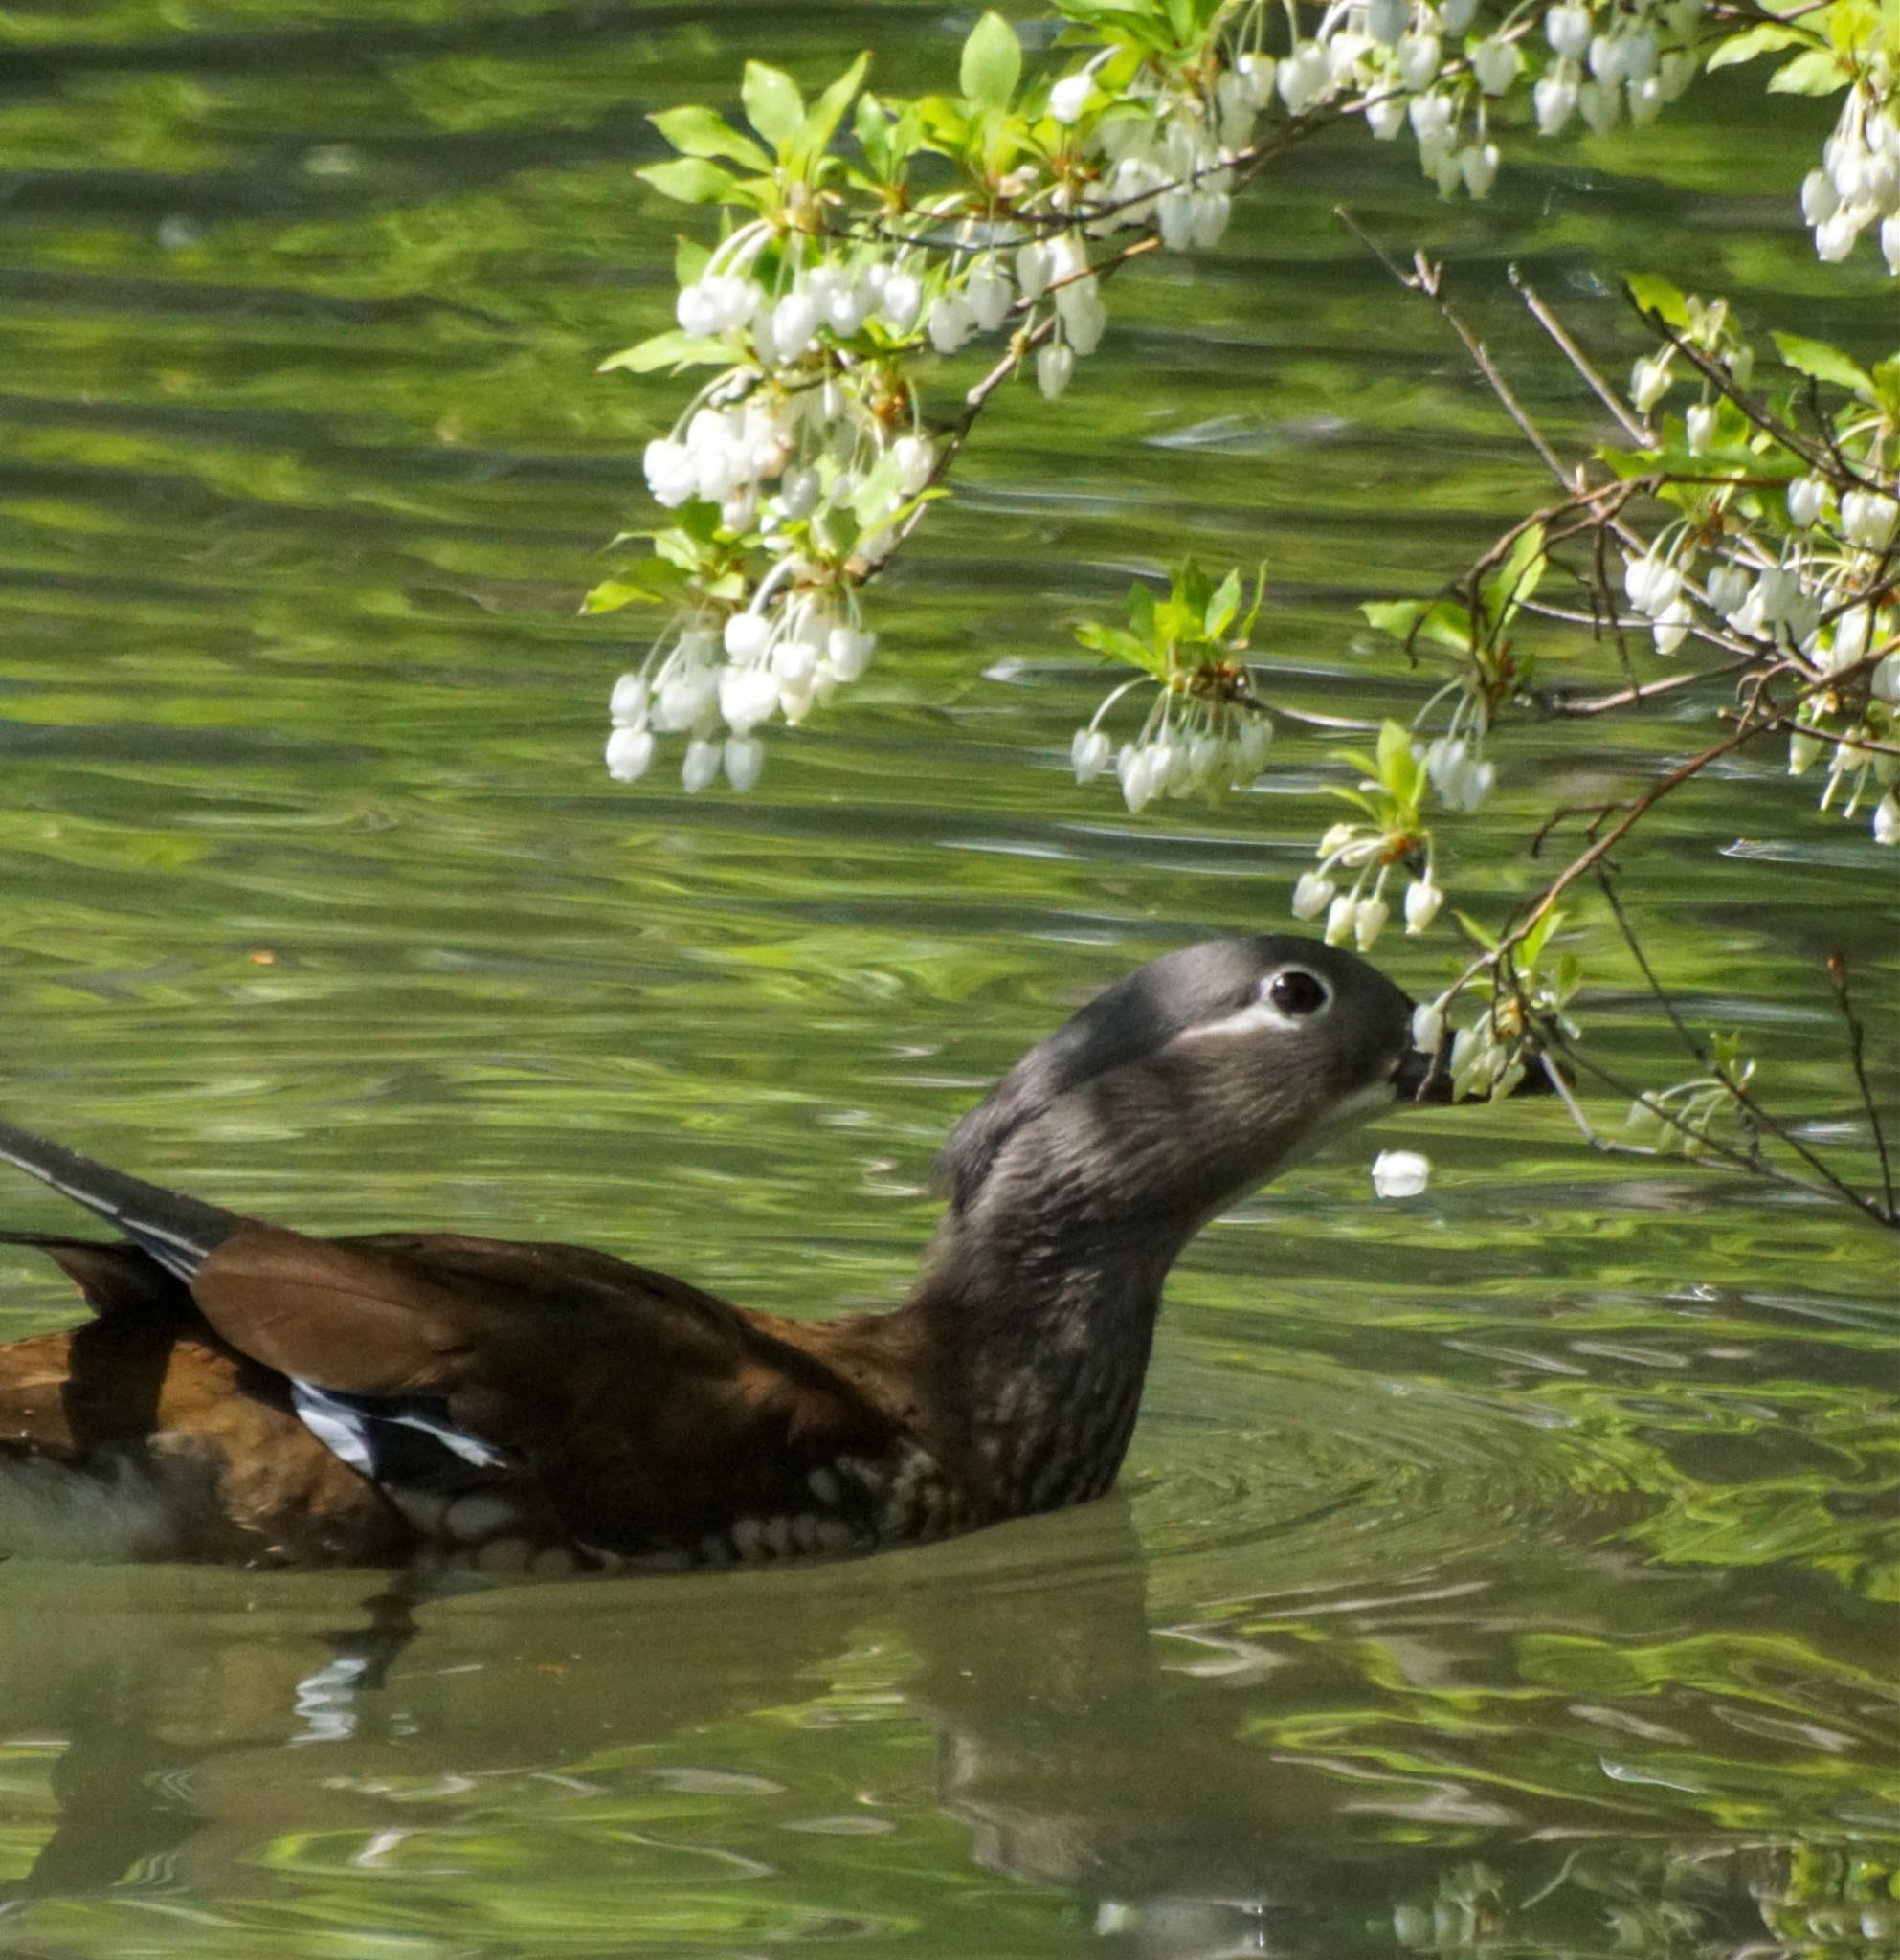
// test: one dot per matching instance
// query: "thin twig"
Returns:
(1429, 280)
(1837, 971)
(1573, 354)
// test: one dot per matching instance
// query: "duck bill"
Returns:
(1423, 1075)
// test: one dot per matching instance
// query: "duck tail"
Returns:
(179, 1233)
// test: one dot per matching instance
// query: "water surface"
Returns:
(1512, 1569)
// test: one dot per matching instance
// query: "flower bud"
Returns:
(1887, 820)
(1700, 424)
(1567, 29)
(1808, 496)
(1423, 900)
(1369, 922)
(701, 767)
(848, 650)
(1069, 97)
(1429, 1027)
(629, 751)
(627, 709)
(1088, 754)
(1054, 363)
(744, 757)
(1339, 918)
(1312, 895)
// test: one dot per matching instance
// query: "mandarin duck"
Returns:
(248, 1393)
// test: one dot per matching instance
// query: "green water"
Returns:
(1509, 1571)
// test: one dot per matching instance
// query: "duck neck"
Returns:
(1039, 1332)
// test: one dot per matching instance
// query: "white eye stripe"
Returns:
(1256, 1014)
(1261, 1013)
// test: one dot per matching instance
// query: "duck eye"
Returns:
(1296, 991)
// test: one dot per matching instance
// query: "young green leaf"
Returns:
(1817, 359)
(692, 180)
(815, 132)
(1660, 297)
(774, 105)
(672, 350)
(991, 63)
(696, 132)
(1813, 73)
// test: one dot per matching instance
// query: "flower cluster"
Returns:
(1806, 577)
(798, 468)
(1205, 729)
(1592, 62)
(1858, 184)
(1181, 748)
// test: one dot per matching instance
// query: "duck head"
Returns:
(1185, 1086)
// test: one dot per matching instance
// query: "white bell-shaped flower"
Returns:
(699, 768)
(1567, 29)
(629, 753)
(1369, 922)
(903, 301)
(1088, 754)
(1055, 364)
(1553, 97)
(630, 699)
(743, 757)
(989, 293)
(1423, 900)
(1312, 895)
(848, 650)
(747, 697)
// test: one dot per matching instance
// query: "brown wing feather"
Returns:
(642, 1408)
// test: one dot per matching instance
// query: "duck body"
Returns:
(251, 1395)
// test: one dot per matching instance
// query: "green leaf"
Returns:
(991, 63)
(871, 127)
(1395, 616)
(692, 180)
(1117, 643)
(774, 105)
(695, 131)
(1817, 359)
(1813, 73)
(672, 350)
(815, 132)
(1767, 39)
(1514, 581)
(611, 594)
(1658, 296)
(1532, 947)
(690, 258)
(1222, 606)
(1485, 939)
